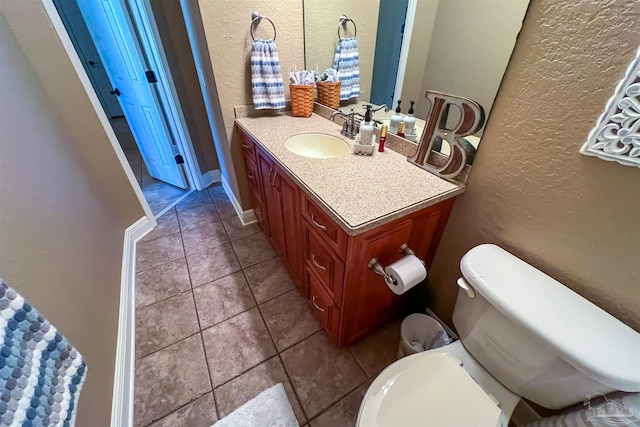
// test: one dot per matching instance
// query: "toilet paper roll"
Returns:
(408, 272)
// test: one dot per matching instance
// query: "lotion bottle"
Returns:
(410, 122)
(396, 119)
(366, 128)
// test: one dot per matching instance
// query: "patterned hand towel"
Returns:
(346, 61)
(41, 374)
(266, 79)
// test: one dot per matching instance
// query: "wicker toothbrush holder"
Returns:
(301, 99)
(329, 94)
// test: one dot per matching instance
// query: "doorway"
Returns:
(391, 23)
(125, 81)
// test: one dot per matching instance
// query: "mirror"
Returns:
(407, 47)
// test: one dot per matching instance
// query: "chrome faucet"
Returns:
(373, 110)
(349, 128)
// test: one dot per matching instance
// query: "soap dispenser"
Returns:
(366, 128)
(396, 119)
(410, 122)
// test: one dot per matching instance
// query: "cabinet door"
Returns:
(271, 202)
(291, 224)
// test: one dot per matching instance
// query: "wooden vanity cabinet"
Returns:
(278, 200)
(330, 266)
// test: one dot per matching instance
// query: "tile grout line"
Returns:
(167, 346)
(337, 400)
(301, 339)
(364, 371)
(184, 338)
(195, 308)
(258, 306)
(293, 387)
(289, 376)
(203, 251)
(331, 405)
(304, 413)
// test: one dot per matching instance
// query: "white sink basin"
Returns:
(317, 145)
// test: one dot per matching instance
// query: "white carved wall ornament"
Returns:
(616, 136)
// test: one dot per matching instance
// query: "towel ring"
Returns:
(255, 19)
(343, 21)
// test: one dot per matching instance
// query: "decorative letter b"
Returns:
(471, 121)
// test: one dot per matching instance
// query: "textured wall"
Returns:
(173, 33)
(321, 18)
(65, 200)
(530, 191)
(226, 25)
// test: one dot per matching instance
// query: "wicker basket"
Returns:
(301, 100)
(329, 94)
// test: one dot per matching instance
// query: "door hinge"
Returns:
(179, 159)
(151, 76)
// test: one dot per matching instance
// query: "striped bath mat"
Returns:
(41, 374)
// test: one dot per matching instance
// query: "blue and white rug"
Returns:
(41, 374)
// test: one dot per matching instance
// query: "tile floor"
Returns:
(159, 194)
(219, 320)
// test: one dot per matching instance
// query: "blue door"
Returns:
(391, 18)
(112, 33)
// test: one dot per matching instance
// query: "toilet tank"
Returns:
(539, 338)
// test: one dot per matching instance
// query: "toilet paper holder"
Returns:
(379, 269)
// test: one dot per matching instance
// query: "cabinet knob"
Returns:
(313, 300)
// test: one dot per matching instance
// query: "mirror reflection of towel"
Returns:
(266, 78)
(346, 61)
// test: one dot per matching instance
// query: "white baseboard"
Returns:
(122, 403)
(246, 217)
(209, 178)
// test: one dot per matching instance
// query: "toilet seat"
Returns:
(428, 388)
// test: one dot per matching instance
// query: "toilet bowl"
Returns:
(440, 387)
(522, 334)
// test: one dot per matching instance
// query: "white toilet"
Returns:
(522, 334)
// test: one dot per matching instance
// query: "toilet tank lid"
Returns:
(584, 335)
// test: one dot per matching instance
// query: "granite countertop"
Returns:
(358, 192)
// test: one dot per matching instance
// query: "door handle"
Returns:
(115, 92)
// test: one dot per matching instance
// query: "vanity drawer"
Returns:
(252, 174)
(320, 259)
(248, 147)
(325, 227)
(323, 306)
